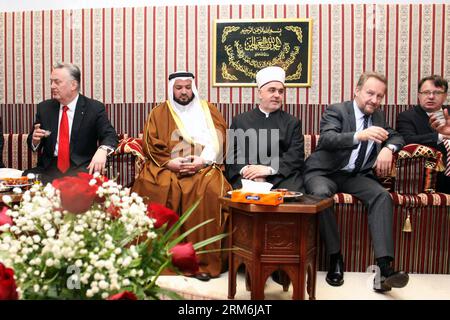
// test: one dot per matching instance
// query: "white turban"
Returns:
(270, 74)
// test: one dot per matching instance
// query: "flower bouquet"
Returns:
(86, 237)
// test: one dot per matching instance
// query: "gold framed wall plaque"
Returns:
(243, 47)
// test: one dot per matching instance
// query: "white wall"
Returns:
(29, 5)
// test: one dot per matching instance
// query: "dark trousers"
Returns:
(371, 193)
(442, 183)
(47, 175)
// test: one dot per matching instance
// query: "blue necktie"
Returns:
(362, 150)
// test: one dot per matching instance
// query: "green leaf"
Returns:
(209, 240)
(185, 234)
(180, 222)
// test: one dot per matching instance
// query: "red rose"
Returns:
(77, 195)
(5, 219)
(8, 289)
(113, 211)
(125, 295)
(184, 257)
(98, 182)
(161, 214)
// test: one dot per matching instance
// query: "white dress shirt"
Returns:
(359, 117)
(70, 115)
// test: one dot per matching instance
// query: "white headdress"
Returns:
(270, 74)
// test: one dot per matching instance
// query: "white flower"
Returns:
(92, 246)
(51, 233)
(103, 285)
(17, 190)
(126, 262)
(7, 199)
(89, 293)
(49, 262)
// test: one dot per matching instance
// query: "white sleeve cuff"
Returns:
(355, 139)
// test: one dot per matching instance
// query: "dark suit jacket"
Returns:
(337, 127)
(90, 128)
(413, 125)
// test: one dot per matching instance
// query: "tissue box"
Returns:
(270, 199)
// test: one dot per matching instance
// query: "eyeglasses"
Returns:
(429, 93)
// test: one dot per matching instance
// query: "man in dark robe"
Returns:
(266, 143)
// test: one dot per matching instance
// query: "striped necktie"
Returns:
(362, 150)
(447, 147)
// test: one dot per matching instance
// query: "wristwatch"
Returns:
(392, 147)
(109, 151)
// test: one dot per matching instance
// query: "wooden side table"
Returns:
(268, 238)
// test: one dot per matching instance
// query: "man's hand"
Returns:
(98, 162)
(383, 164)
(373, 133)
(38, 134)
(443, 127)
(174, 165)
(192, 165)
(253, 172)
(186, 166)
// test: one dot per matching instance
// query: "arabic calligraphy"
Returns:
(262, 43)
(260, 30)
(246, 47)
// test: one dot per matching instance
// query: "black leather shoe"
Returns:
(335, 275)
(202, 276)
(397, 279)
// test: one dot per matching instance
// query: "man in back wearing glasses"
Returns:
(414, 125)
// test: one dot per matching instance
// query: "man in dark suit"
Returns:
(71, 132)
(355, 141)
(414, 126)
